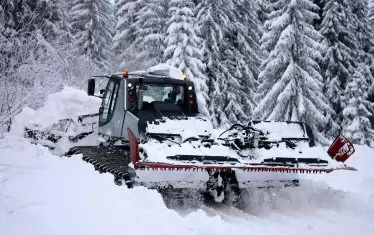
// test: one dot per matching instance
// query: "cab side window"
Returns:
(109, 101)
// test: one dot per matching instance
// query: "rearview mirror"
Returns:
(91, 87)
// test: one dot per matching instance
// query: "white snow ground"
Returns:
(43, 194)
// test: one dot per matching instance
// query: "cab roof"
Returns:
(152, 79)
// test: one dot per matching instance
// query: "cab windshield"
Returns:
(163, 92)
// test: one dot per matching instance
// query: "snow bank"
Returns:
(42, 194)
(52, 195)
(68, 103)
(361, 182)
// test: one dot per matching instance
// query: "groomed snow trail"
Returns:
(44, 194)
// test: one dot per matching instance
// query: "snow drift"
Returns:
(68, 103)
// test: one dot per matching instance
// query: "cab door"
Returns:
(108, 103)
(111, 112)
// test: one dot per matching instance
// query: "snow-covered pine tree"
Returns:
(183, 47)
(371, 13)
(29, 31)
(66, 34)
(263, 11)
(28, 24)
(213, 19)
(365, 70)
(40, 15)
(248, 57)
(8, 30)
(123, 46)
(365, 38)
(150, 31)
(361, 26)
(231, 34)
(356, 124)
(291, 87)
(338, 63)
(2, 24)
(28, 16)
(92, 24)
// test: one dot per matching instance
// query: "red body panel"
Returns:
(134, 148)
(341, 149)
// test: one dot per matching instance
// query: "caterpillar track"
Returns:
(108, 159)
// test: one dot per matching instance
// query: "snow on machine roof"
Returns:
(160, 71)
(167, 71)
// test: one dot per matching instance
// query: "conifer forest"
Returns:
(286, 60)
